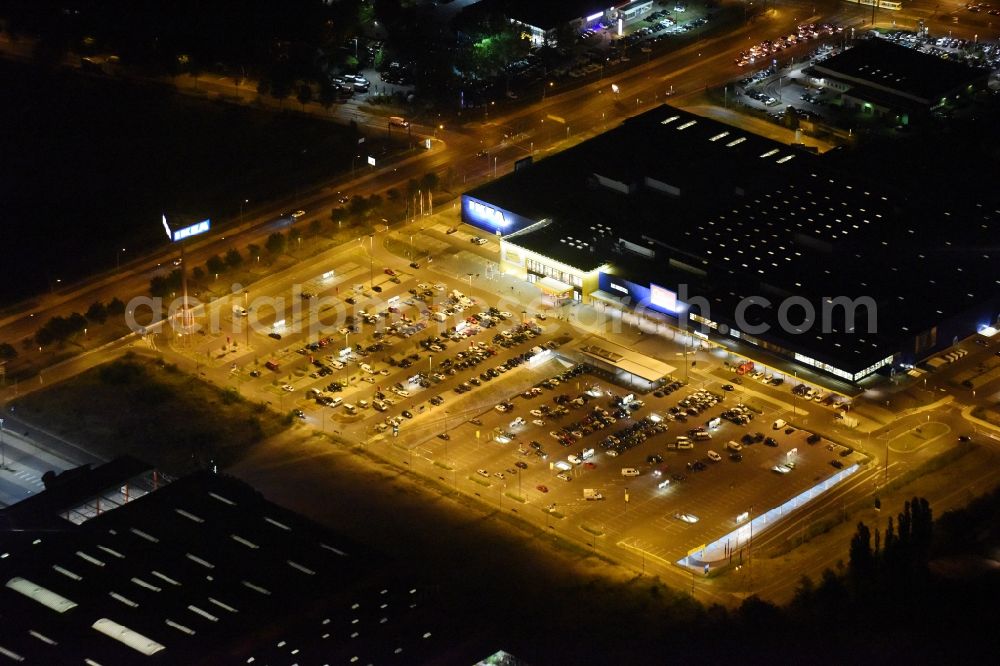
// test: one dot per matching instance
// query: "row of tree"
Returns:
(897, 557)
(59, 329)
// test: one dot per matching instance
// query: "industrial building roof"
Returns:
(206, 571)
(674, 198)
(552, 13)
(908, 72)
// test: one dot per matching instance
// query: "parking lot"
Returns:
(549, 445)
(493, 401)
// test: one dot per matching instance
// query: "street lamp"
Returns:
(118, 256)
(3, 451)
(245, 201)
(371, 261)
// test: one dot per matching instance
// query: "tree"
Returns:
(304, 95)
(281, 87)
(233, 258)
(358, 205)
(116, 307)
(97, 313)
(215, 264)
(922, 529)
(328, 94)
(315, 227)
(276, 243)
(7, 351)
(253, 251)
(566, 36)
(158, 287)
(862, 561)
(60, 329)
(338, 215)
(263, 86)
(429, 181)
(198, 274)
(77, 322)
(791, 119)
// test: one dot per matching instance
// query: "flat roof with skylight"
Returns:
(673, 198)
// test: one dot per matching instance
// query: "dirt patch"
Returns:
(150, 410)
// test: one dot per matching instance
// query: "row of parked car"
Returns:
(633, 435)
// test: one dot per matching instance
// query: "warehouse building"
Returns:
(754, 244)
(203, 570)
(880, 78)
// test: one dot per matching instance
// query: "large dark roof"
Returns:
(549, 14)
(67, 490)
(212, 571)
(752, 216)
(881, 63)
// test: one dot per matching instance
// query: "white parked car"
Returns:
(689, 518)
(288, 387)
(713, 456)
(483, 473)
(779, 424)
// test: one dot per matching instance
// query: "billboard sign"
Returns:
(662, 298)
(186, 232)
(489, 215)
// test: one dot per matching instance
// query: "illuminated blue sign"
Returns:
(487, 214)
(186, 232)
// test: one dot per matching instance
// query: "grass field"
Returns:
(152, 411)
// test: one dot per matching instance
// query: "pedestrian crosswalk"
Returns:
(29, 479)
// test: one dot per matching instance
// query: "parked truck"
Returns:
(591, 494)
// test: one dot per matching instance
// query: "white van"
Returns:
(734, 446)
(685, 445)
(350, 409)
(398, 121)
(336, 402)
(713, 456)
(630, 471)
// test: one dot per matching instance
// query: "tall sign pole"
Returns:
(178, 234)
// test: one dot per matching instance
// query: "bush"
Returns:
(233, 258)
(116, 307)
(97, 313)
